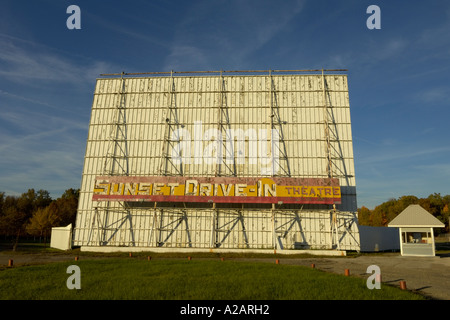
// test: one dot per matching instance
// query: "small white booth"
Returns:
(416, 231)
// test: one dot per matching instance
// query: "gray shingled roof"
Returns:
(414, 216)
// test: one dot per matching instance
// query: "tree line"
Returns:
(35, 213)
(381, 215)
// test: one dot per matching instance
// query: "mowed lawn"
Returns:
(182, 279)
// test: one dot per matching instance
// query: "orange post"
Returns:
(313, 265)
(277, 261)
(76, 258)
(347, 272)
(189, 258)
(403, 285)
(10, 263)
(149, 258)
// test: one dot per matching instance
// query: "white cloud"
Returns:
(434, 95)
(411, 152)
(186, 58)
(25, 62)
(146, 33)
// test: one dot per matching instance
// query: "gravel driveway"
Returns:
(429, 276)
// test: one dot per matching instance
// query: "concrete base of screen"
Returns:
(109, 249)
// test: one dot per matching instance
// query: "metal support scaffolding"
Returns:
(231, 222)
(326, 121)
(116, 159)
(224, 228)
(225, 145)
(168, 225)
(279, 152)
(333, 152)
(171, 128)
(116, 163)
(329, 164)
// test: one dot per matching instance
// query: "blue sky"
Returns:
(398, 76)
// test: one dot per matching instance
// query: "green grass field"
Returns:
(181, 279)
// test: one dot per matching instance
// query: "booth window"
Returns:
(416, 237)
